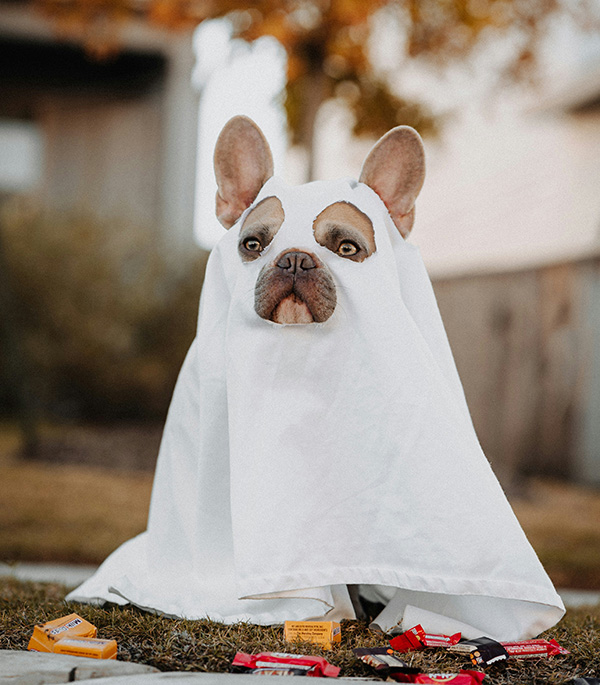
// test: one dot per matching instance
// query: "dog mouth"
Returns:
(292, 309)
(296, 288)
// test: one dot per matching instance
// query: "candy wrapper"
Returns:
(89, 647)
(461, 678)
(277, 671)
(483, 651)
(383, 660)
(322, 633)
(417, 638)
(529, 649)
(46, 635)
(314, 666)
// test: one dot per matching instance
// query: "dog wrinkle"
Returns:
(314, 289)
(271, 288)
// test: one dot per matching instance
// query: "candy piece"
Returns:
(528, 649)
(417, 638)
(313, 665)
(382, 660)
(409, 640)
(482, 650)
(320, 632)
(45, 635)
(460, 678)
(276, 671)
(86, 646)
(432, 640)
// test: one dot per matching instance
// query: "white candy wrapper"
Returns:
(297, 459)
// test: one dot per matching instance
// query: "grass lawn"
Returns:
(170, 644)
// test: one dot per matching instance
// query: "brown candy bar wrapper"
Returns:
(381, 659)
(483, 651)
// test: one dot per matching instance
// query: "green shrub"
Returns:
(104, 315)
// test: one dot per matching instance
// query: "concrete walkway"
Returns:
(35, 668)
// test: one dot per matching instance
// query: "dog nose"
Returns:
(296, 262)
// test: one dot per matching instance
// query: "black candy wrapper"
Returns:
(383, 660)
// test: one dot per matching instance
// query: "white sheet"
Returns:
(298, 459)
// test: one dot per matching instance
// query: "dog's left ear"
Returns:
(395, 170)
(243, 164)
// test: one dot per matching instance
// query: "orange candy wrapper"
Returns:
(90, 647)
(322, 633)
(46, 635)
(71, 635)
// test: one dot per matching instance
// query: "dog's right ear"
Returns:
(243, 163)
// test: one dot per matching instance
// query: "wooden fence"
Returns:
(527, 347)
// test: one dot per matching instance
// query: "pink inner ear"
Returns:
(243, 163)
(395, 170)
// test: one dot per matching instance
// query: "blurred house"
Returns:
(509, 226)
(115, 137)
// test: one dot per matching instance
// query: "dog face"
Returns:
(294, 285)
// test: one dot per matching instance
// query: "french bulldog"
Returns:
(295, 286)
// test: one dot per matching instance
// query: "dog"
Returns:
(318, 449)
(295, 286)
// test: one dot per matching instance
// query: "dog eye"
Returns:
(347, 249)
(253, 245)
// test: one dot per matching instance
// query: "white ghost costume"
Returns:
(298, 459)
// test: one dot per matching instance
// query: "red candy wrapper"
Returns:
(314, 666)
(431, 640)
(530, 649)
(461, 678)
(409, 640)
(277, 671)
(417, 638)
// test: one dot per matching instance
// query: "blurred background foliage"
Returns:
(103, 319)
(329, 44)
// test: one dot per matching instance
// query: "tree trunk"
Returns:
(314, 93)
(16, 372)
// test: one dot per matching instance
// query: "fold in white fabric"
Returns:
(297, 459)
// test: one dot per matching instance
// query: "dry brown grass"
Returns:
(76, 514)
(562, 521)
